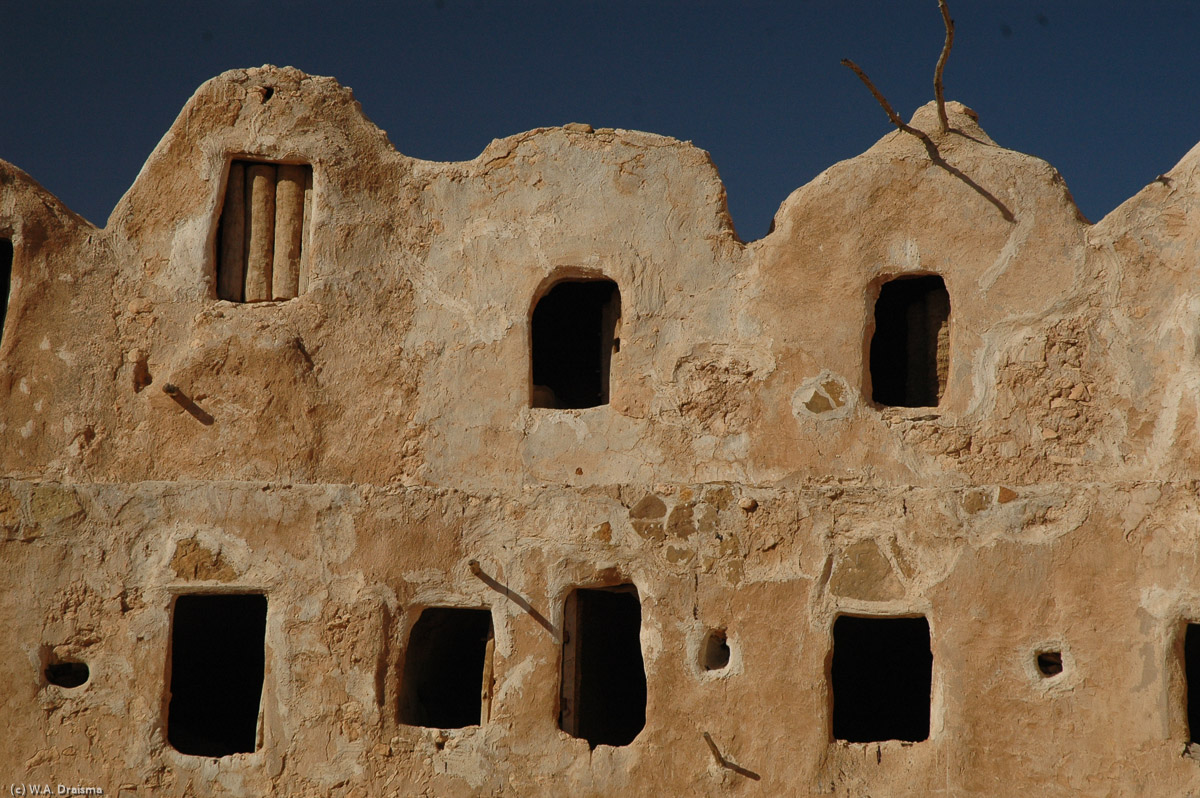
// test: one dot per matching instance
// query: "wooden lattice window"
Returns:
(263, 232)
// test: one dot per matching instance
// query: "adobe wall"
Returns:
(356, 448)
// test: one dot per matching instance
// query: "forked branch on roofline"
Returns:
(938, 90)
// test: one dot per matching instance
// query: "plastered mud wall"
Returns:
(369, 449)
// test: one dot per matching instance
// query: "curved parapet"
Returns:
(1147, 254)
(327, 309)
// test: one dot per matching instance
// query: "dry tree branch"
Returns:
(938, 91)
(891, 112)
(930, 146)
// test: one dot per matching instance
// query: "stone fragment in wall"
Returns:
(644, 517)
(650, 530)
(649, 507)
(193, 561)
(10, 512)
(862, 572)
(677, 554)
(976, 500)
(680, 523)
(52, 505)
(825, 396)
(708, 521)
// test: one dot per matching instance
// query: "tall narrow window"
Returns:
(6, 263)
(603, 677)
(447, 681)
(881, 679)
(574, 333)
(217, 659)
(263, 230)
(910, 350)
(1191, 665)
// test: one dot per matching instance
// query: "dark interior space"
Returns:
(444, 666)
(1049, 663)
(217, 661)
(910, 346)
(573, 338)
(67, 674)
(604, 678)
(716, 650)
(6, 263)
(881, 678)
(1191, 663)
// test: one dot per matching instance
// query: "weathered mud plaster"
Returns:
(350, 452)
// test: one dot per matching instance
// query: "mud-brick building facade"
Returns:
(330, 471)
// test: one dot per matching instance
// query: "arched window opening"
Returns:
(574, 334)
(910, 349)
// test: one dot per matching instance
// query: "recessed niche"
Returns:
(447, 668)
(573, 336)
(910, 348)
(881, 678)
(6, 264)
(64, 673)
(714, 653)
(217, 661)
(603, 696)
(1049, 663)
(263, 231)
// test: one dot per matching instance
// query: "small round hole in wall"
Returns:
(67, 674)
(1049, 663)
(714, 655)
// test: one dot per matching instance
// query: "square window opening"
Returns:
(1049, 663)
(881, 678)
(447, 681)
(573, 336)
(910, 348)
(261, 252)
(603, 696)
(217, 662)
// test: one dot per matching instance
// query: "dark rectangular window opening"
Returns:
(217, 662)
(6, 264)
(261, 236)
(603, 676)
(1191, 665)
(574, 333)
(910, 348)
(881, 677)
(447, 680)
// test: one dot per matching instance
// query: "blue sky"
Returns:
(1108, 92)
